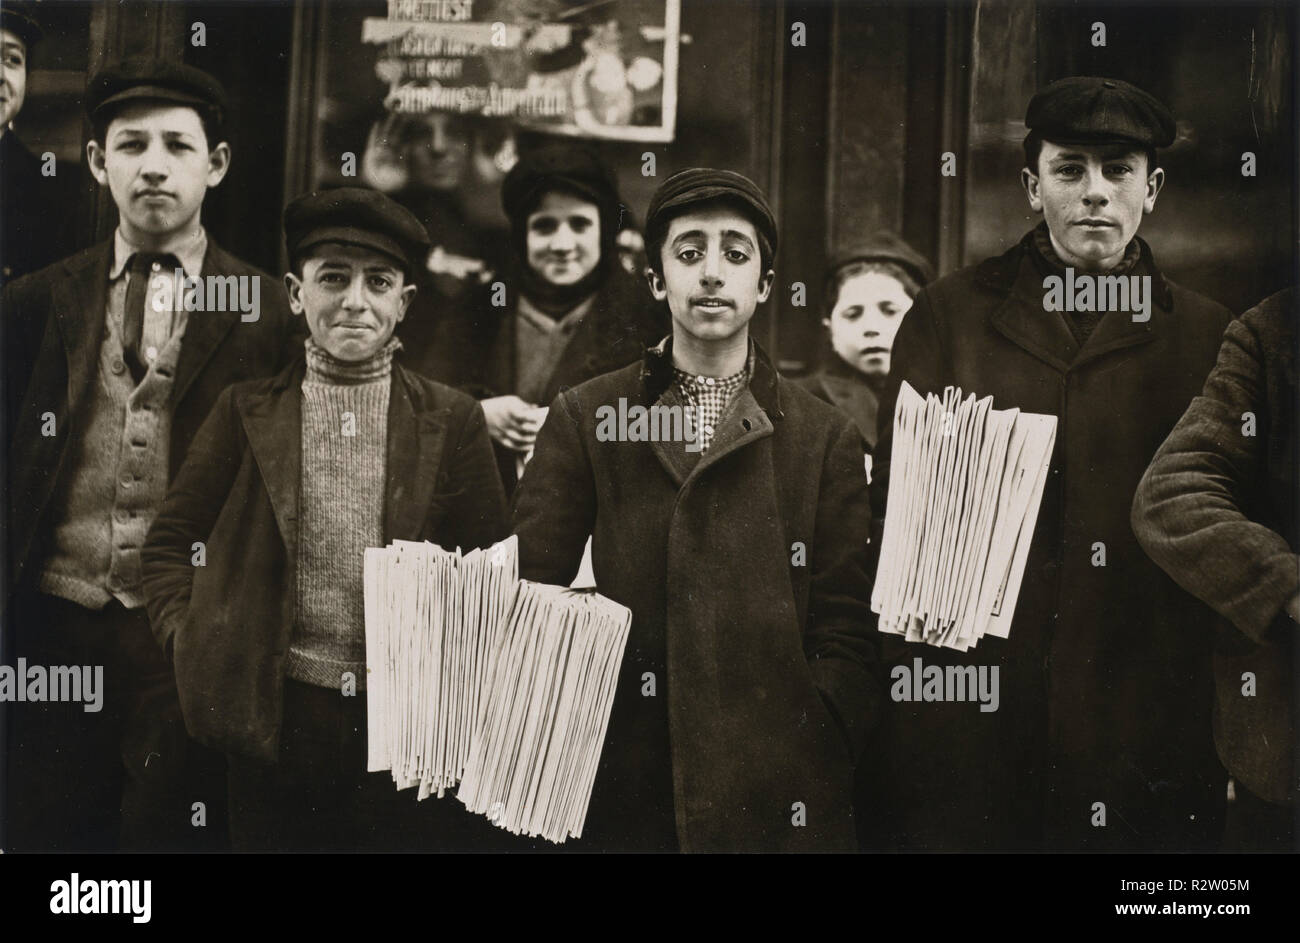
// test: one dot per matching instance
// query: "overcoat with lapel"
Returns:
(229, 623)
(750, 677)
(53, 328)
(1105, 680)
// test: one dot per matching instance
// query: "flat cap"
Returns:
(155, 80)
(884, 246)
(1086, 109)
(17, 18)
(567, 166)
(700, 184)
(356, 217)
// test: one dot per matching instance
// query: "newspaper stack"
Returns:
(478, 678)
(535, 752)
(966, 481)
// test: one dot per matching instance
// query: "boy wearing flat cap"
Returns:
(107, 378)
(287, 483)
(749, 679)
(1102, 740)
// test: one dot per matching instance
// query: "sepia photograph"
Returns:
(626, 427)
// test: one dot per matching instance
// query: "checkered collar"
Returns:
(658, 373)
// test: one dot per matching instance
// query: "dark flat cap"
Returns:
(884, 246)
(155, 80)
(18, 19)
(700, 184)
(565, 166)
(356, 217)
(1086, 109)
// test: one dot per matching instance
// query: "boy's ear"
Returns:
(293, 285)
(1029, 180)
(405, 299)
(95, 160)
(1155, 182)
(765, 284)
(657, 286)
(218, 163)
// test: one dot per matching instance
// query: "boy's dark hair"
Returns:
(657, 233)
(209, 117)
(1034, 147)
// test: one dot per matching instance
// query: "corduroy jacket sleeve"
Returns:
(840, 641)
(1188, 512)
(188, 514)
(555, 503)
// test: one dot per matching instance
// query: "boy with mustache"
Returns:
(749, 679)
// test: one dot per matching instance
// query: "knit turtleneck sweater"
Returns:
(1080, 323)
(340, 510)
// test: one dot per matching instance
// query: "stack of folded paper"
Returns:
(965, 484)
(478, 678)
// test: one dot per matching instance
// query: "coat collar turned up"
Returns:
(1022, 319)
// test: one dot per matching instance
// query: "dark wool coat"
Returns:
(229, 623)
(36, 226)
(472, 347)
(1217, 510)
(749, 679)
(53, 326)
(1105, 681)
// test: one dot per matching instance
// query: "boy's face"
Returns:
(713, 276)
(868, 312)
(352, 297)
(13, 75)
(156, 162)
(1093, 197)
(563, 238)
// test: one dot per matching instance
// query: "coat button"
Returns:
(117, 366)
(125, 481)
(157, 267)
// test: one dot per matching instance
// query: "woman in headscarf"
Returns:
(565, 312)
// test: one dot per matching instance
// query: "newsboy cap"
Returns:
(1085, 109)
(883, 246)
(356, 217)
(701, 184)
(558, 166)
(155, 80)
(17, 18)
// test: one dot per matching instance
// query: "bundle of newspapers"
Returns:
(965, 485)
(479, 678)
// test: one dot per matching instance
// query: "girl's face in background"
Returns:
(865, 318)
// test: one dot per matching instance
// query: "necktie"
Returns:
(143, 267)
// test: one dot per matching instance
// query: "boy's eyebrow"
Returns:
(1112, 152)
(726, 234)
(733, 234)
